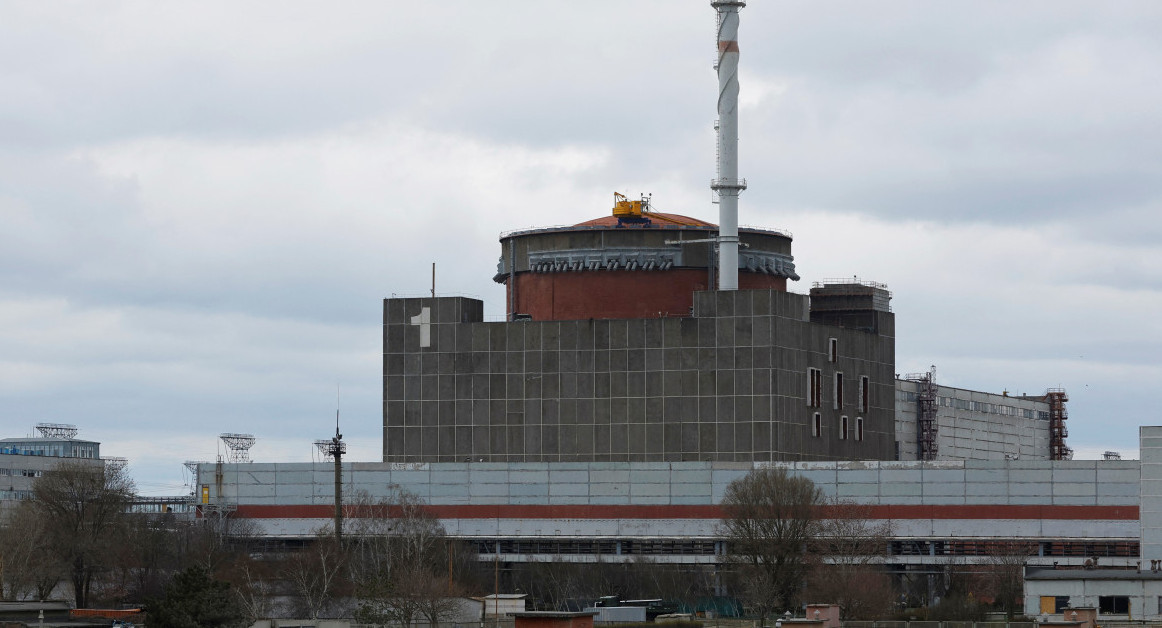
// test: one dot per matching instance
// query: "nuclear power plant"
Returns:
(647, 359)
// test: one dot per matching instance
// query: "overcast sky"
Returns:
(203, 204)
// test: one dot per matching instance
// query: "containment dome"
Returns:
(635, 263)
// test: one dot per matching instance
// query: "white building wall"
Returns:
(987, 484)
(1144, 595)
(950, 482)
(973, 425)
(1150, 507)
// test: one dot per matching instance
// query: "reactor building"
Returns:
(617, 348)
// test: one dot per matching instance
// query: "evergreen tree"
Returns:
(195, 600)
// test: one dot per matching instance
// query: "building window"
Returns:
(832, 350)
(814, 388)
(838, 390)
(816, 425)
(1053, 604)
(859, 428)
(1113, 604)
(842, 428)
(864, 393)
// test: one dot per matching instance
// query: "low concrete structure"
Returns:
(617, 614)
(503, 604)
(554, 619)
(1114, 593)
(826, 613)
(939, 511)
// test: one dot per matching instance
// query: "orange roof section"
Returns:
(658, 219)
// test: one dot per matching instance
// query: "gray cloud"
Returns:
(203, 207)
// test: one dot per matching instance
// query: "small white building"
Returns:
(501, 604)
(1115, 593)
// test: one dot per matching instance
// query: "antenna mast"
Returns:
(335, 448)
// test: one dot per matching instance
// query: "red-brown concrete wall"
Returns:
(554, 622)
(620, 293)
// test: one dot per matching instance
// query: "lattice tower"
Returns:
(328, 447)
(239, 446)
(62, 431)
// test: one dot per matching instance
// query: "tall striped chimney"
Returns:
(727, 184)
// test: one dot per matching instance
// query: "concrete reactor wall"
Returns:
(747, 378)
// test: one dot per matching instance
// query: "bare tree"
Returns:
(83, 510)
(315, 574)
(848, 553)
(252, 581)
(410, 594)
(769, 519)
(399, 553)
(30, 570)
(217, 542)
(551, 582)
(1004, 573)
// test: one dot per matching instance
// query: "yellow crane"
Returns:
(634, 211)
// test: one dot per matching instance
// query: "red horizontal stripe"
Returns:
(728, 46)
(897, 512)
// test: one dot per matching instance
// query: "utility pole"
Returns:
(335, 448)
(338, 447)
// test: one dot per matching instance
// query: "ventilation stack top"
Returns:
(727, 184)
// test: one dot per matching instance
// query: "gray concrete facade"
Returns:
(973, 425)
(730, 383)
(18, 472)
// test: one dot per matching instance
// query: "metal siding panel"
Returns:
(528, 477)
(608, 489)
(557, 476)
(609, 475)
(530, 489)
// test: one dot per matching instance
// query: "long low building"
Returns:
(939, 511)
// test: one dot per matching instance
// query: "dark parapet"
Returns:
(852, 304)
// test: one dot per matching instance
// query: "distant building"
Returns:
(1107, 586)
(22, 460)
(973, 425)
(51, 447)
(617, 348)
